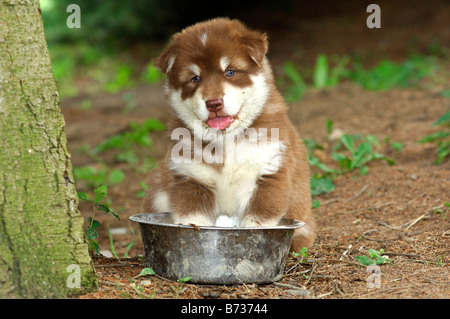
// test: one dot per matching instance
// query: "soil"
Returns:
(397, 208)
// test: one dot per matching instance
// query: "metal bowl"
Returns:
(215, 255)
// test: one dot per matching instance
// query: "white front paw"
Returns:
(226, 221)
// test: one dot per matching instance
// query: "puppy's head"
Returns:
(216, 76)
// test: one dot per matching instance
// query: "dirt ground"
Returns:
(395, 208)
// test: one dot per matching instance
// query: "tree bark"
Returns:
(41, 228)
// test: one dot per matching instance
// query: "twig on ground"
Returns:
(369, 208)
(411, 223)
(345, 252)
(323, 295)
(358, 193)
(364, 235)
(280, 284)
(333, 200)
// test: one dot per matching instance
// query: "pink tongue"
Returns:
(220, 122)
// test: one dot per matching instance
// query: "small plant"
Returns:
(323, 76)
(296, 91)
(95, 177)
(136, 135)
(387, 74)
(441, 138)
(358, 156)
(179, 288)
(302, 254)
(111, 244)
(444, 211)
(101, 193)
(375, 257)
(122, 79)
(348, 156)
(144, 187)
(151, 75)
(321, 185)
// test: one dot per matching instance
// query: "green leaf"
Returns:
(91, 233)
(445, 93)
(115, 177)
(435, 136)
(320, 75)
(329, 126)
(320, 185)
(314, 161)
(315, 204)
(363, 170)
(93, 223)
(348, 142)
(83, 196)
(130, 244)
(107, 209)
(397, 146)
(101, 193)
(184, 279)
(152, 75)
(154, 125)
(146, 272)
(296, 91)
(111, 244)
(444, 119)
(94, 246)
(364, 260)
(373, 140)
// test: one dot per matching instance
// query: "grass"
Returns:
(126, 148)
(124, 143)
(374, 258)
(388, 74)
(100, 193)
(383, 76)
(80, 68)
(440, 138)
(350, 153)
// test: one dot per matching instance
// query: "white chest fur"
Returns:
(244, 162)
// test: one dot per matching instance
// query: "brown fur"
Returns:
(283, 194)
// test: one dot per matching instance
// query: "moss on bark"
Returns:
(41, 228)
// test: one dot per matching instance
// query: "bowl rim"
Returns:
(294, 224)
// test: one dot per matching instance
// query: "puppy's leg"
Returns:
(156, 198)
(269, 202)
(273, 200)
(191, 202)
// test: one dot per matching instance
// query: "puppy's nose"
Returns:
(214, 105)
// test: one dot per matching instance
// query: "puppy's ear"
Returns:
(166, 60)
(257, 45)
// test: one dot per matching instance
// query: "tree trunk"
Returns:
(43, 251)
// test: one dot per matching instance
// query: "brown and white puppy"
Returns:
(236, 159)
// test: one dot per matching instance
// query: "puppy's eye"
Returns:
(230, 73)
(195, 79)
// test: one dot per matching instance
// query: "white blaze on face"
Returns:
(203, 38)
(224, 62)
(195, 69)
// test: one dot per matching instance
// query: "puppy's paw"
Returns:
(196, 219)
(226, 221)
